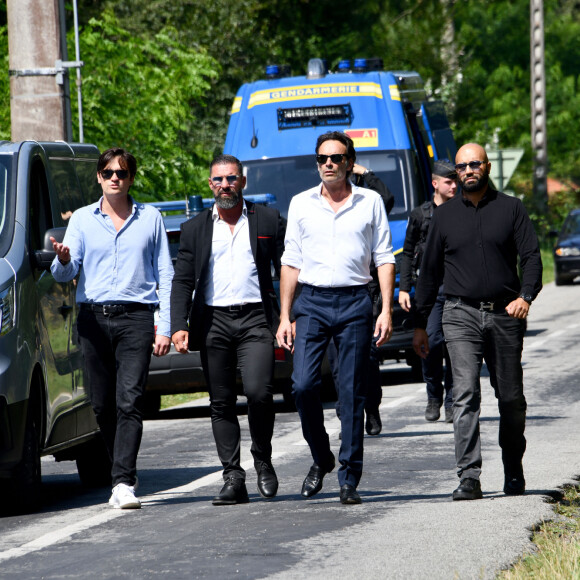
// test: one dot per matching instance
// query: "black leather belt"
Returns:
(487, 305)
(237, 307)
(116, 309)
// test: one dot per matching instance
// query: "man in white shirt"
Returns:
(225, 255)
(334, 231)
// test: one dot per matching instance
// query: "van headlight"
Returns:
(6, 310)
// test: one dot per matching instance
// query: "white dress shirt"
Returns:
(335, 249)
(233, 276)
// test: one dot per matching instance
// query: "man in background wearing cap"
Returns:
(444, 180)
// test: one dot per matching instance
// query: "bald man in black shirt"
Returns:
(473, 247)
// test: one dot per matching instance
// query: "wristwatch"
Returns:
(368, 172)
(527, 297)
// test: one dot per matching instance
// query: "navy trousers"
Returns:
(439, 381)
(344, 315)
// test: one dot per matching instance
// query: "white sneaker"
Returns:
(123, 497)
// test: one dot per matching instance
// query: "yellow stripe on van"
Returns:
(237, 105)
(325, 91)
(394, 91)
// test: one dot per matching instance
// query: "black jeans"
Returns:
(239, 339)
(117, 351)
(474, 335)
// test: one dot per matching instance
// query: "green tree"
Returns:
(138, 93)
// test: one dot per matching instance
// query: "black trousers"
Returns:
(239, 338)
(117, 352)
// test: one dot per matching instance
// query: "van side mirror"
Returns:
(44, 257)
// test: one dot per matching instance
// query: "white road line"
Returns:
(108, 514)
(397, 402)
(539, 343)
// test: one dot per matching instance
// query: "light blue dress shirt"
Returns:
(131, 265)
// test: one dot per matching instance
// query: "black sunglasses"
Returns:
(461, 167)
(231, 179)
(335, 158)
(121, 173)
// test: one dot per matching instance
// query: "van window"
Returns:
(5, 175)
(87, 173)
(69, 193)
(39, 210)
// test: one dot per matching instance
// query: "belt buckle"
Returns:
(107, 309)
(486, 306)
(235, 307)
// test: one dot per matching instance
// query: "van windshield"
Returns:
(5, 181)
(284, 177)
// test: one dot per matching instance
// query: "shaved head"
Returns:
(473, 168)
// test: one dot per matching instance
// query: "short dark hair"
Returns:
(126, 160)
(225, 159)
(341, 138)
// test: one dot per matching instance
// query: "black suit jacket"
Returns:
(267, 231)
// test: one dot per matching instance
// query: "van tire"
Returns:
(151, 405)
(93, 464)
(24, 488)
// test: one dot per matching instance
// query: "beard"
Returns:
(476, 186)
(227, 202)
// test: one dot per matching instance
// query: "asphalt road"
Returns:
(407, 527)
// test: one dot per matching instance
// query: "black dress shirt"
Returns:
(474, 250)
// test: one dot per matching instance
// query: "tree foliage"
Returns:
(137, 93)
(161, 75)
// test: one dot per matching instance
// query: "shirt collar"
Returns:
(99, 205)
(356, 190)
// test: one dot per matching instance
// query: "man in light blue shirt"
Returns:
(120, 250)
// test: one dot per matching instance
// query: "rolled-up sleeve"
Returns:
(292, 255)
(382, 244)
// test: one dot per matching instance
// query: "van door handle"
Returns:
(64, 310)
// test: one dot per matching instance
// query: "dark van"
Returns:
(44, 404)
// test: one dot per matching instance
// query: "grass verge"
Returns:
(172, 400)
(558, 544)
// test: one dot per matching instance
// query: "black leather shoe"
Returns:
(349, 495)
(313, 481)
(267, 480)
(469, 488)
(234, 491)
(514, 485)
(373, 424)
(432, 412)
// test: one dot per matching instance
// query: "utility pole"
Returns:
(38, 99)
(538, 102)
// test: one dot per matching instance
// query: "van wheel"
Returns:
(94, 464)
(151, 405)
(24, 488)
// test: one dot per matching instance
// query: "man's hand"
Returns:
(180, 340)
(383, 327)
(285, 334)
(162, 345)
(62, 251)
(421, 342)
(519, 308)
(405, 300)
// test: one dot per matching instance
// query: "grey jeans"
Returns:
(472, 336)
